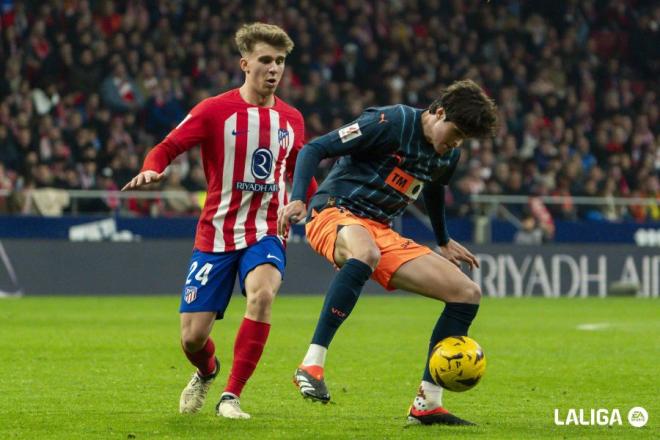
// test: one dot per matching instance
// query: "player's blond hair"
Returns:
(250, 34)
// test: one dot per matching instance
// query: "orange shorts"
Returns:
(395, 250)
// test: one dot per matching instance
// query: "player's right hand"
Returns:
(455, 252)
(293, 212)
(144, 178)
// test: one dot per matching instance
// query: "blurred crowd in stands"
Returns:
(89, 86)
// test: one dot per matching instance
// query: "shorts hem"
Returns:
(389, 286)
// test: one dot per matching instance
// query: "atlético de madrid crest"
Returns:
(190, 295)
(283, 138)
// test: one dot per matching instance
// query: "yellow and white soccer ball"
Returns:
(457, 363)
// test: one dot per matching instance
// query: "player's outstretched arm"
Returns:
(303, 180)
(144, 178)
(192, 131)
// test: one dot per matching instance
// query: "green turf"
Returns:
(112, 368)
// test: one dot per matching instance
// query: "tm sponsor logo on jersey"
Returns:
(404, 183)
(257, 187)
(350, 132)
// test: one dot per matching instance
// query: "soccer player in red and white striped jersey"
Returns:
(249, 140)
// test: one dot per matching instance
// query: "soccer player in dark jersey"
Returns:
(389, 157)
(249, 140)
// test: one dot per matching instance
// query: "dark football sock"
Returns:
(455, 320)
(342, 295)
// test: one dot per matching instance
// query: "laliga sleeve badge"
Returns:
(349, 132)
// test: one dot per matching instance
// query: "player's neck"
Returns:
(252, 97)
(427, 125)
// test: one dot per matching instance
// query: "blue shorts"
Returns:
(211, 276)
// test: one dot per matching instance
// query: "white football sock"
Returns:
(315, 355)
(429, 396)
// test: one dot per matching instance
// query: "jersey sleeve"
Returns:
(191, 131)
(299, 131)
(444, 174)
(434, 198)
(364, 135)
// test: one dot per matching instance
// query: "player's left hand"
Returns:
(292, 213)
(144, 178)
(455, 252)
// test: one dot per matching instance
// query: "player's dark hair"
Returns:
(468, 106)
(250, 34)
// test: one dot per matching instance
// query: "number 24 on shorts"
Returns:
(202, 274)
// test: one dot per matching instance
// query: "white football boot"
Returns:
(230, 407)
(194, 394)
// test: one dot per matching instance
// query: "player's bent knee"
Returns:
(472, 293)
(193, 341)
(467, 292)
(261, 299)
(369, 256)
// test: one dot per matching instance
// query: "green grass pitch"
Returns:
(112, 368)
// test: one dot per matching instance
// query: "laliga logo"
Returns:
(637, 417)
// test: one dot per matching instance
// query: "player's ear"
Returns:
(244, 64)
(440, 113)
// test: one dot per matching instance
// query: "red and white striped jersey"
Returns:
(247, 151)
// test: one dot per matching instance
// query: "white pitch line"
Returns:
(594, 327)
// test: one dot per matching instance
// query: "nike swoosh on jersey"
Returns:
(237, 133)
(273, 256)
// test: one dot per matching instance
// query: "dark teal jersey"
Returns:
(385, 163)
